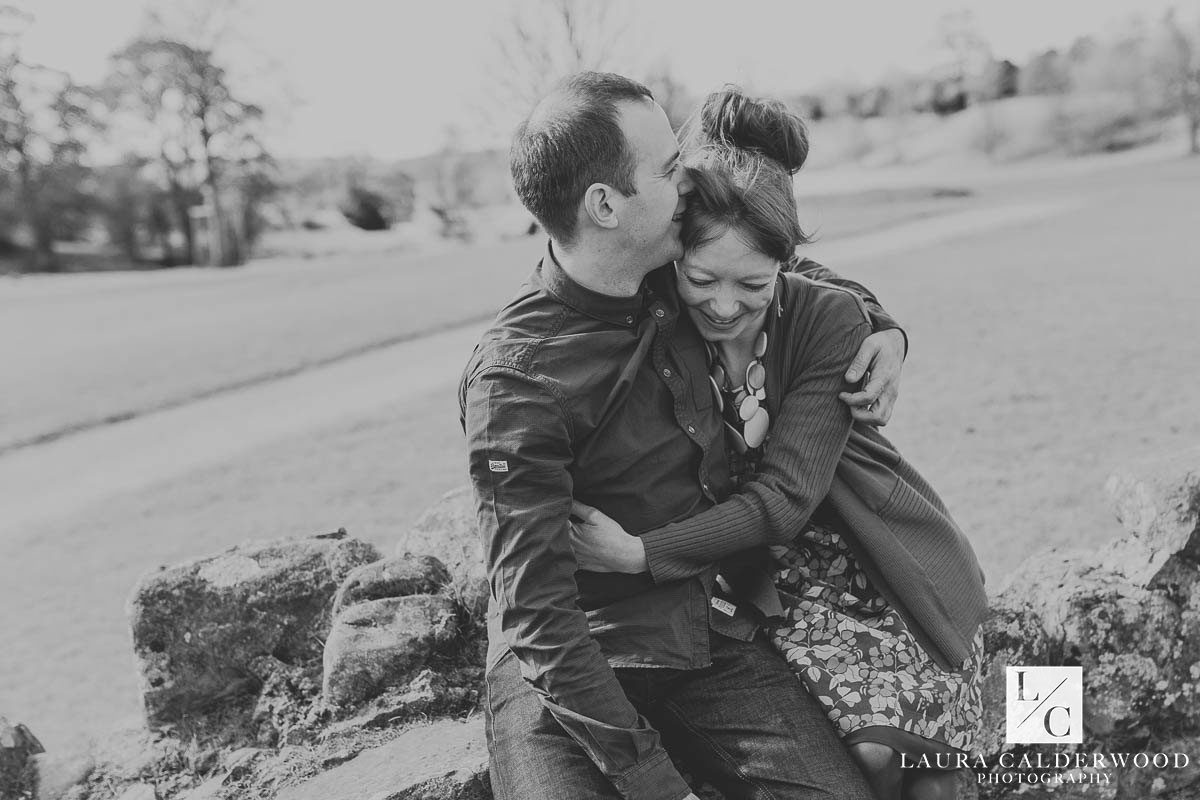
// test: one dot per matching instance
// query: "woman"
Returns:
(882, 596)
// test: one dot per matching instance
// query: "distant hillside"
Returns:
(1006, 130)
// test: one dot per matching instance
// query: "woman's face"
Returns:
(727, 288)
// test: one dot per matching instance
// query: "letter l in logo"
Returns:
(1021, 688)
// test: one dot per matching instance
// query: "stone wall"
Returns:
(315, 668)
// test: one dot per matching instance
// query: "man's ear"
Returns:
(600, 204)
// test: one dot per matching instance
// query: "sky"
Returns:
(389, 78)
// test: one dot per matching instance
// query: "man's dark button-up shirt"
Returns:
(575, 394)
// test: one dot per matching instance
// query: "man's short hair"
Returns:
(571, 140)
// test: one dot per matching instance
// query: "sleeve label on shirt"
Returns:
(498, 466)
(724, 606)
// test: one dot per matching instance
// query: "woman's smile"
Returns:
(724, 323)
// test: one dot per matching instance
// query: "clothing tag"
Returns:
(724, 606)
(498, 466)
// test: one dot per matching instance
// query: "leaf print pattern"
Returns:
(856, 655)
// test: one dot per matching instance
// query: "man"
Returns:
(587, 386)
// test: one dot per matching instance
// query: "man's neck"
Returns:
(597, 270)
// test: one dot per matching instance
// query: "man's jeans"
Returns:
(745, 724)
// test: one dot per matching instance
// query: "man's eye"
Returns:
(755, 287)
(698, 282)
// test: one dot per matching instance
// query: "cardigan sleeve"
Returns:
(807, 439)
(881, 320)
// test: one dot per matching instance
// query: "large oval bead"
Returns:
(756, 375)
(755, 429)
(748, 408)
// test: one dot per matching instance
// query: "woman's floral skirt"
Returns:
(859, 660)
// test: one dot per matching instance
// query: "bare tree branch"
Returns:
(543, 41)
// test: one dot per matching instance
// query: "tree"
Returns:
(401, 191)
(998, 80)
(47, 124)
(366, 209)
(1045, 74)
(542, 41)
(1122, 65)
(969, 52)
(145, 84)
(454, 187)
(205, 137)
(132, 208)
(673, 96)
(1179, 66)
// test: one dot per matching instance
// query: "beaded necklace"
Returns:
(742, 407)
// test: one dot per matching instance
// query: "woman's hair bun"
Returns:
(731, 117)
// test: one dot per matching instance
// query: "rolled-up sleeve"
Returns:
(519, 443)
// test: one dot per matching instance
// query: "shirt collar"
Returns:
(616, 310)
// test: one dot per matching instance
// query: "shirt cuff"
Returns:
(663, 561)
(882, 321)
(632, 758)
(654, 779)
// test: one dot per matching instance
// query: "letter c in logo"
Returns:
(1046, 721)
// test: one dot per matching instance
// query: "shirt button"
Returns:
(692, 429)
(658, 312)
(666, 373)
(704, 486)
(629, 320)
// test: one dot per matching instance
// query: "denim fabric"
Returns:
(533, 756)
(744, 724)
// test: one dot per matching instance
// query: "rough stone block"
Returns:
(1158, 503)
(428, 695)
(211, 789)
(449, 530)
(1129, 614)
(140, 791)
(383, 643)
(17, 745)
(52, 774)
(197, 627)
(444, 761)
(392, 577)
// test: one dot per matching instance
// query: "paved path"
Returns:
(123, 456)
(70, 473)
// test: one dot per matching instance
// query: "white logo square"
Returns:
(1045, 705)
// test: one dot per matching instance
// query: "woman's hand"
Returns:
(601, 545)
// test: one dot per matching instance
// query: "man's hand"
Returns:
(601, 545)
(881, 357)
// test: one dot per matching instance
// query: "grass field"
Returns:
(1043, 356)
